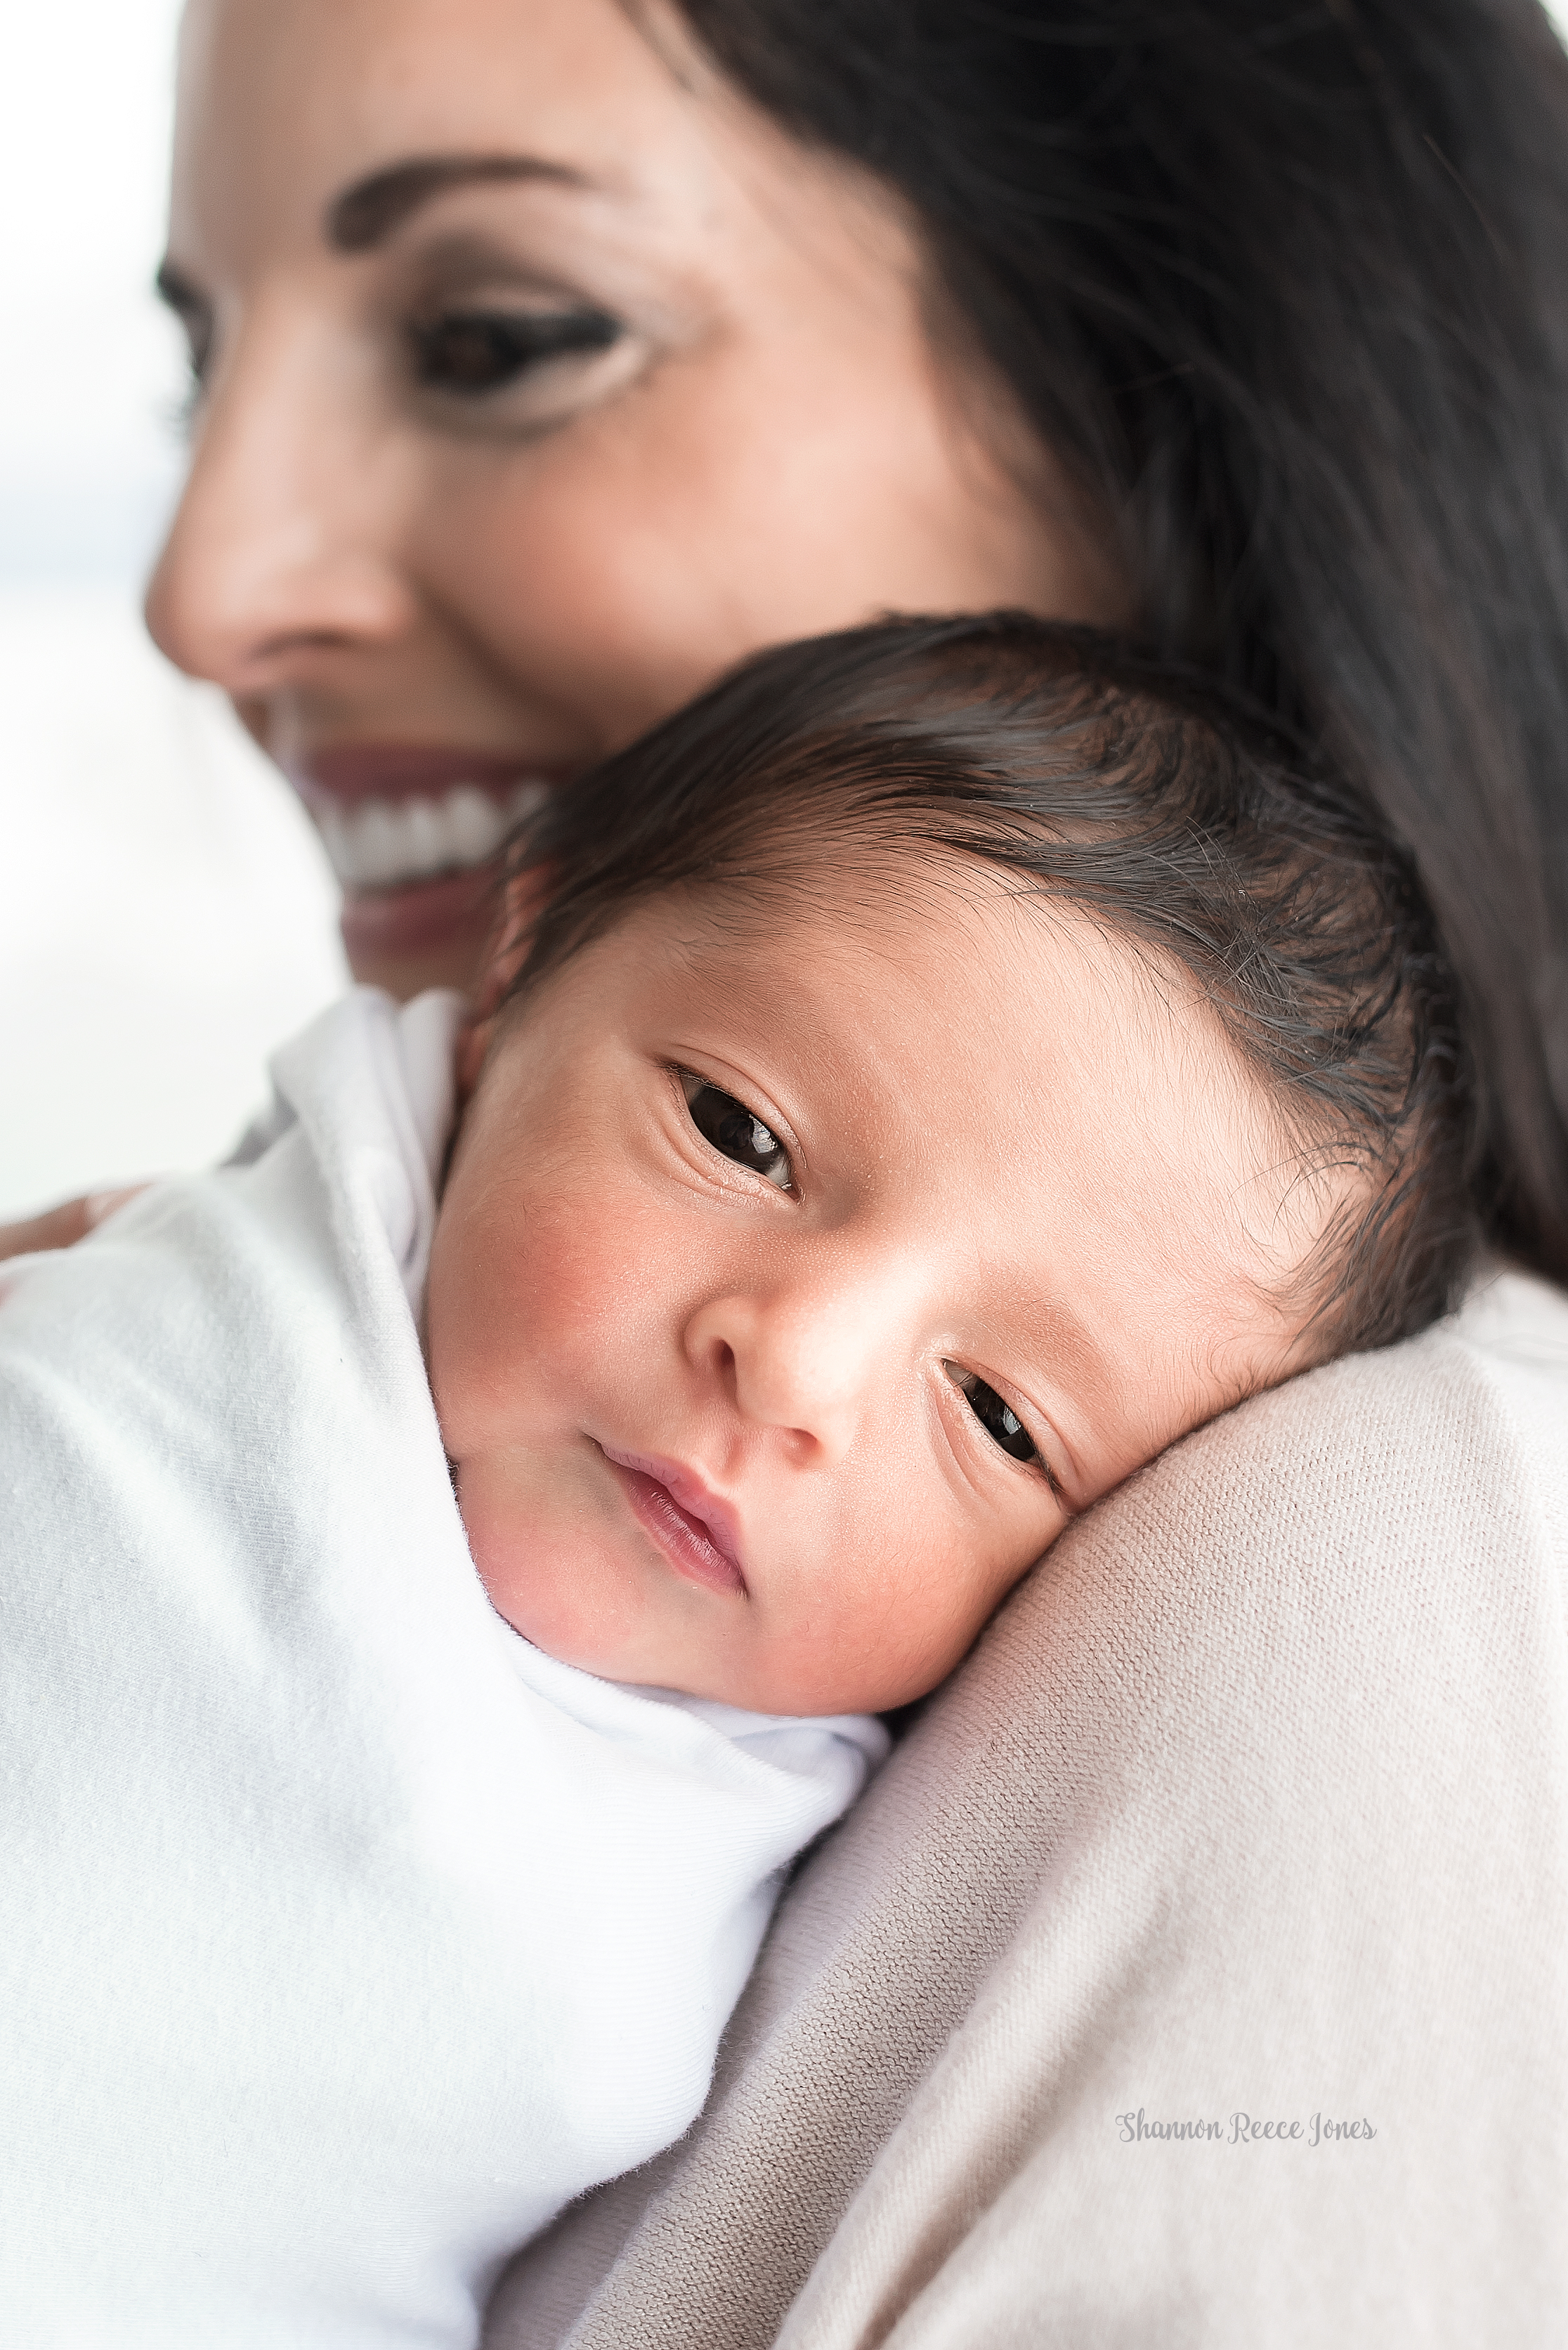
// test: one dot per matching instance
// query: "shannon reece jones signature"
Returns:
(1247, 2129)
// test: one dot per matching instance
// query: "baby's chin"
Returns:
(565, 1565)
(568, 1602)
(585, 1594)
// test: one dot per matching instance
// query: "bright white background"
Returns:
(165, 916)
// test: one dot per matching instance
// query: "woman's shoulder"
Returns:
(1432, 1441)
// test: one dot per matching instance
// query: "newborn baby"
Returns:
(947, 1064)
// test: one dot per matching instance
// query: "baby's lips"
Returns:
(687, 1489)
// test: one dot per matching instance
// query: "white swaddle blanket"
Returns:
(343, 1936)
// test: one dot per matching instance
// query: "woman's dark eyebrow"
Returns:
(358, 220)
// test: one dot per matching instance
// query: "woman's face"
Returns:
(540, 379)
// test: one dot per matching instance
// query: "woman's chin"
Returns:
(421, 933)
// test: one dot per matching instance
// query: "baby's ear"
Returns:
(522, 896)
(473, 1043)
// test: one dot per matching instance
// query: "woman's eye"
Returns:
(998, 1418)
(734, 1130)
(472, 352)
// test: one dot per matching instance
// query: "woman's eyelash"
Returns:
(182, 411)
(472, 352)
(196, 319)
(736, 1132)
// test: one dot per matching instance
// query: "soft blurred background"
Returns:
(165, 917)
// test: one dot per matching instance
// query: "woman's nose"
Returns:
(280, 549)
(805, 1364)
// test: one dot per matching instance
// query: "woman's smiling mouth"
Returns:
(413, 832)
(391, 843)
(691, 1527)
(396, 817)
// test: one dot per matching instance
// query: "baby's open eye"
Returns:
(998, 1418)
(733, 1129)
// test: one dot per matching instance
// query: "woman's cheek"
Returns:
(572, 601)
(603, 571)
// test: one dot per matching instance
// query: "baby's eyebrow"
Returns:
(1049, 1349)
(1044, 1325)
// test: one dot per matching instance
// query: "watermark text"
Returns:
(1243, 2128)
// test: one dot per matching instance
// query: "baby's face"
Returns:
(800, 1273)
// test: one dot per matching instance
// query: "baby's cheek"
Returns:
(454, 1335)
(522, 1556)
(496, 1544)
(479, 1336)
(935, 1614)
(545, 1546)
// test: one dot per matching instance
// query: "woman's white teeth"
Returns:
(378, 843)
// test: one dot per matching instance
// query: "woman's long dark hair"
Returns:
(1286, 282)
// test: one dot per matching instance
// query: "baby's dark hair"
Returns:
(1127, 787)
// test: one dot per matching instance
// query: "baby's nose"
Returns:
(806, 1365)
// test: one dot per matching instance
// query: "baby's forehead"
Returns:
(932, 932)
(960, 1003)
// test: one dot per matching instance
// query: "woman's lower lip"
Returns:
(681, 1538)
(421, 918)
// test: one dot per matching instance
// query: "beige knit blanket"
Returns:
(1196, 1972)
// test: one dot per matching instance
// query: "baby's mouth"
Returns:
(688, 1525)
